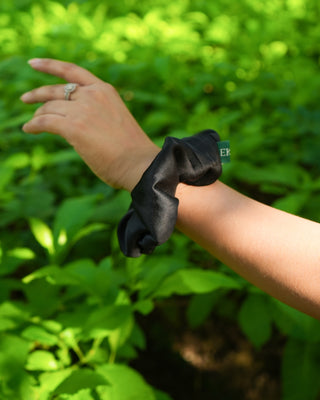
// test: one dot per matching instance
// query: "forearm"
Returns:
(276, 251)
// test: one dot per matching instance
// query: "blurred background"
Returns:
(77, 319)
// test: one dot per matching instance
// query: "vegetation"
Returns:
(70, 302)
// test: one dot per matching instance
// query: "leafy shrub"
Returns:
(69, 299)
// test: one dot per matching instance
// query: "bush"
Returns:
(69, 300)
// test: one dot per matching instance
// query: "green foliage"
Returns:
(68, 299)
(194, 281)
(300, 380)
(255, 319)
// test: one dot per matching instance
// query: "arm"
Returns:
(278, 252)
(274, 250)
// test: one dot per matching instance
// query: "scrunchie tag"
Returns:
(224, 151)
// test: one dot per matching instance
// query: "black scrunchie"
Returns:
(152, 215)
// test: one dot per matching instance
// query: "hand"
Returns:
(95, 121)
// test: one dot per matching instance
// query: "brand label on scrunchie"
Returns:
(224, 151)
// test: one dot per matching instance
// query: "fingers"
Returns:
(58, 107)
(51, 123)
(51, 117)
(46, 93)
(65, 70)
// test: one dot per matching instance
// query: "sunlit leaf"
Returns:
(39, 335)
(81, 379)
(120, 377)
(54, 275)
(41, 360)
(43, 234)
(22, 253)
(18, 160)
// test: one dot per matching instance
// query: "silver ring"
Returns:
(68, 89)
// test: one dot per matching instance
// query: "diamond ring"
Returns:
(68, 89)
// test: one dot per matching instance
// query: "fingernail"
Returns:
(35, 61)
(24, 96)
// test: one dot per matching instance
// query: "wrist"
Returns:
(136, 164)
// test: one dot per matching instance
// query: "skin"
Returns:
(95, 122)
(276, 251)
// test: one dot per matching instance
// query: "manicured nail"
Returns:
(35, 61)
(24, 96)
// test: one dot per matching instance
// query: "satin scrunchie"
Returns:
(152, 215)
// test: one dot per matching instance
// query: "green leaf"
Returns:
(255, 319)
(118, 337)
(9, 264)
(155, 269)
(7, 324)
(49, 381)
(63, 156)
(137, 337)
(39, 158)
(300, 370)
(83, 394)
(112, 210)
(72, 215)
(144, 306)
(81, 379)
(120, 378)
(54, 275)
(43, 234)
(13, 355)
(15, 121)
(52, 326)
(39, 335)
(17, 161)
(159, 395)
(41, 360)
(281, 174)
(84, 270)
(88, 230)
(103, 321)
(292, 203)
(22, 253)
(43, 298)
(11, 260)
(14, 311)
(99, 281)
(6, 175)
(295, 323)
(190, 281)
(200, 307)
(69, 337)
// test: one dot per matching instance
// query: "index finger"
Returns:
(68, 71)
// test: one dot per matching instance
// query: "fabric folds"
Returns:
(152, 215)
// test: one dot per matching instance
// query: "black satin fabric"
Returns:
(152, 215)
